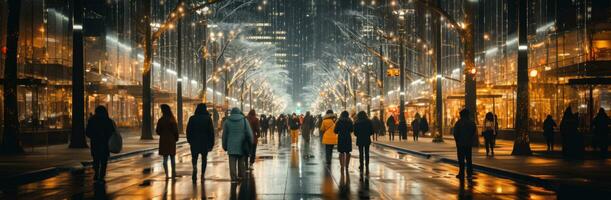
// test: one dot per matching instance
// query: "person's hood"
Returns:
(330, 115)
(236, 115)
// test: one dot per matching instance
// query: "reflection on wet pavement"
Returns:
(281, 172)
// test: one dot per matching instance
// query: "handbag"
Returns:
(115, 143)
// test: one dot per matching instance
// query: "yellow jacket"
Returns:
(327, 128)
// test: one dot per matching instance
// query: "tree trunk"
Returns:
(10, 136)
(438, 90)
(179, 76)
(521, 145)
(147, 125)
(381, 100)
(470, 70)
(203, 64)
(77, 138)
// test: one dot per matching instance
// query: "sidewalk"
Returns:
(542, 168)
(42, 163)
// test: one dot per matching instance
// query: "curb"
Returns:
(516, 176)
(41, 174)
(417, 153)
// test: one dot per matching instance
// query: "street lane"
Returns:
(281, 172)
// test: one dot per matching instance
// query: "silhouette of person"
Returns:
(464, 132)
(99, 129)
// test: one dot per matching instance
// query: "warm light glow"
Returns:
(533, 73)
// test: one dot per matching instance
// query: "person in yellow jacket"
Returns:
(329, 137)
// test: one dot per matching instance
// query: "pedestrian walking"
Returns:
(489, 133)
(416, 126)
(363, 130)
(329, 137)
(99, 129)
(264, 125)
(215, 119)
(200, 135)
(569, 133)
(167, 129)
(307, 127)
(548, 132)
(402, 128)
(255, 126)
(424, 125)
(464, 131)
(390, 123)
(237, 141)
(271, 122)
(377, 127)
(294, 124)
(600, 127)
(343, 128)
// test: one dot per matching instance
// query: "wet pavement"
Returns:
(280, 172)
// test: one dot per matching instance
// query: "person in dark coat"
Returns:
(416, 126)
(363, 130)
(200, 135)
(464, 131)
(402, 128)
(255, 126)
(99, 129)
(215, 119)
(343, 128)
(390, 123)
(167, 129)
(548, 132)
(600, 127)
(264, 125)
(424, 125)
(569, 133)
(377, 127)
(271, 121)
(307, 127)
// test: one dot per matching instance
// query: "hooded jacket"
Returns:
(99, 129)
(200, 132)
(237, 132)
(328, 129)
(363, 129)
(464, 130)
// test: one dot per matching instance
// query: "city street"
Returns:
(281, 172)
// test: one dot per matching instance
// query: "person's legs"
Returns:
(341, 160)
(347, 161)
(487, 143)
(194, 157)
(173, 162)
(103, 164)
(461, 162)
(204, 163)
(165, 165)
(366, 150)
(328, 153)
(96, 168)
(361, 156)
(232, 167)
(242, 166)
(468, 153)
(253, 153)
(551, 142)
